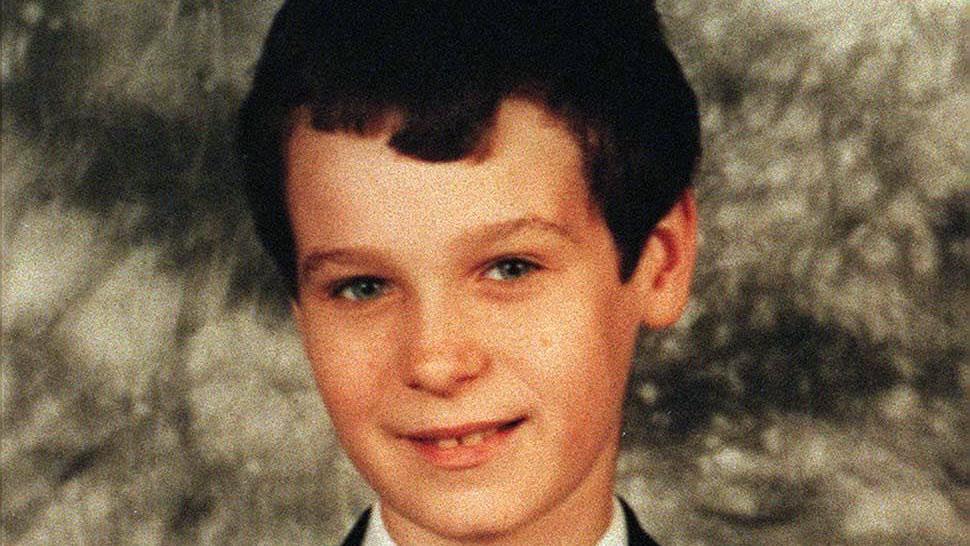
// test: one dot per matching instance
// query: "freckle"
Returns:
(545, 342)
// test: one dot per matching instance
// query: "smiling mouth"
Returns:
(465, 446)
(467, 435)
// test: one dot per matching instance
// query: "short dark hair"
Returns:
(444, 67)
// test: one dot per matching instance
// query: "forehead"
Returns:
(345, 188)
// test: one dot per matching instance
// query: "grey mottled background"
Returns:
(153, 390)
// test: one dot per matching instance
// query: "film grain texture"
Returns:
(154, 390)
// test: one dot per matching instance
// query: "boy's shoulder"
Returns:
(636, 536)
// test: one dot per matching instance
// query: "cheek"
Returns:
(347, 369)
(575, 355)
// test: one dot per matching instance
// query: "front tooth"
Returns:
(447, 443)
(472, 439)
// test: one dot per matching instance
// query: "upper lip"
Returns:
(442, 433)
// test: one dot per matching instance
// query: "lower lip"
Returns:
(462, 457)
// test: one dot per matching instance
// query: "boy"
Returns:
(475, 207)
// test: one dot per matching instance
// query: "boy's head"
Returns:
(442, 68)
(464, 198)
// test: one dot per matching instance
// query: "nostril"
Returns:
(443, 373)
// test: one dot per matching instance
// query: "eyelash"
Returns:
(525, 267)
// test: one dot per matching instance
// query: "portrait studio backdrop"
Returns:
(154, 389)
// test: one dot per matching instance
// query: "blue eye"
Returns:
(359, 289)
(510, 269)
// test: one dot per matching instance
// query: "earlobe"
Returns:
(663, 277)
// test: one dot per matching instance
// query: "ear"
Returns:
(666, 267)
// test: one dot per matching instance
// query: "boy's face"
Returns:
(465, 322)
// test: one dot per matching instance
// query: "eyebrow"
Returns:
(478, 237)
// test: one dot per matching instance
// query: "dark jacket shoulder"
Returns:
(356, 535)
(636, 536)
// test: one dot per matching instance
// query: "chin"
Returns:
(474, 514)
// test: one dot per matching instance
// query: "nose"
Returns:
(443, 356)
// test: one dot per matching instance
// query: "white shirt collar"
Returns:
(615, 535)
(376, 534)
